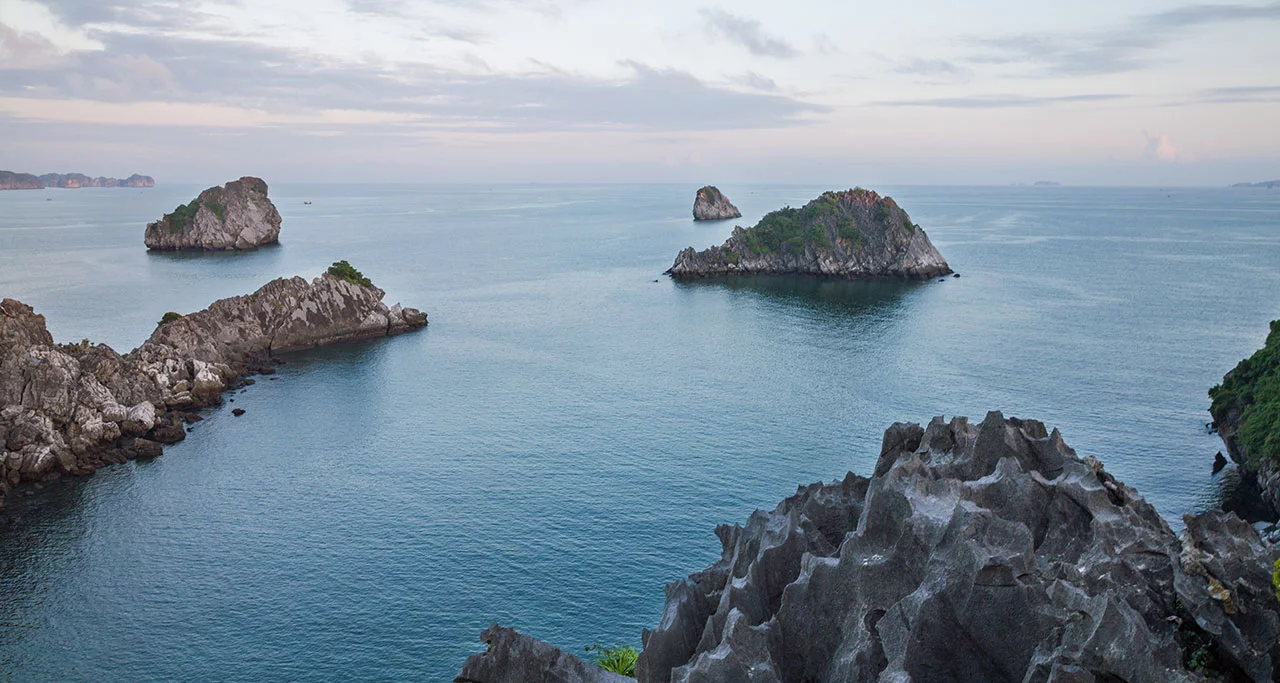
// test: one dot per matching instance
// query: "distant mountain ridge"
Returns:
(11, 180)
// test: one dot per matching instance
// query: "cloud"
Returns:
(1256, 93)
(746, 32)
(1002, 101)
(25, 50)
(154, 69)
(1160, 148)
(754, 80)
(1116, 50)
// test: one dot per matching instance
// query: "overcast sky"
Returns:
(829, 92)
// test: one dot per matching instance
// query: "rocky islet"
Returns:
(710, 204)
(237, 216)
(851, 235)
(10, 180)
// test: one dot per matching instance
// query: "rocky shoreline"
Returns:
(68, 409)
(233, 217)
(850, 235)
(986, 551)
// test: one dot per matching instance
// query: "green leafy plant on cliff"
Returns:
(183, 215)
(346, 271)
(789, 230)
(1275, 579)
(1250, 395)
(619, 660)
(169, 317)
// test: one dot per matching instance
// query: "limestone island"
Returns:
(973, 552)
(10, 180)
(1246, 414)
(236, 216)
(850, 235)
(711, 205)
(68, 409)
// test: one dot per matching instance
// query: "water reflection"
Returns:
(818, 294)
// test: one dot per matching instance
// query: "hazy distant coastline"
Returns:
(1268, 184)
(10, 180)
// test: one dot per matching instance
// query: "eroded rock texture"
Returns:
(71, 408)
(236, 216)
(517, 658)
(855, 234)
(983, 552)
(710, 204)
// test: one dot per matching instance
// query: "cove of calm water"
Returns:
(562, 440)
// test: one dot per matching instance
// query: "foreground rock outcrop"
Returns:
(236, 216)
(70, 408)
(986, 552)
(516, 658)
(710, 204)
(1246, 413)
(855, 234)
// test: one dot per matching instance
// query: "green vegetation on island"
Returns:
(169, 317)
(346, 271)
(620, 660)
(1249, 399)
(184, 214)
(817, 223)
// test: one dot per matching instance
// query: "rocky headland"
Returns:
(974, 552)
(10, 180)
(68, 409)
(710, 204)
(851, 235)
(1246, 414)
(236, 216)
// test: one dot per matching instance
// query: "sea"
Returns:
(562, 440)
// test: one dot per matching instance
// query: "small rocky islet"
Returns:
(710, 204)
(851, 235)
(233, 217)
(68, 409)
(974, 552)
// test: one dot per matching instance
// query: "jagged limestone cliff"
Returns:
(974, 552)
(855, 234)
(71, 408)
(237, 216)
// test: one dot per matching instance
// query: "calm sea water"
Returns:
(562, 440)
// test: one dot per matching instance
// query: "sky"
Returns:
(1122, 92)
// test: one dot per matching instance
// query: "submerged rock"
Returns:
(987, 552)
(856, 234)
(516, 658)
(71, 408)
(236, 216)
(711, 205)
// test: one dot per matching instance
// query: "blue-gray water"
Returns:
(562, 440)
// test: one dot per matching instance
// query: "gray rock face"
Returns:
(69, 409)
(711, 205)
(983, 552)
(237, 216)
(849, 235)
(516, 658)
